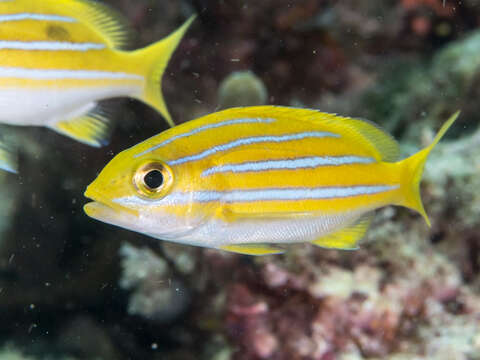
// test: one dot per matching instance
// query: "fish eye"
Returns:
(153, 179)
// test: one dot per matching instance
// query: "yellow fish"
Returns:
(59, 58)
(247, 179)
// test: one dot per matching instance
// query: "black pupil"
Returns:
(153, 179)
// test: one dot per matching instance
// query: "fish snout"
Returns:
(102, 203)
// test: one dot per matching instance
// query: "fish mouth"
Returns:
(104, 209)
(97, 210)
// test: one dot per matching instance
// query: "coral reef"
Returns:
(157, 294)
(12, 354)
(242, 88)
(9, 352)
(427, 91)
(363, 305)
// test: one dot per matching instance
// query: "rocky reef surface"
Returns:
(73, 288)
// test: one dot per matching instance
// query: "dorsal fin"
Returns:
(107, 22)
(384, 144)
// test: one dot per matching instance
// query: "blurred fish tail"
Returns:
(155, 60)
(413, 170)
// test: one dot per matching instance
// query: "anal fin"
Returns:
(91, 128)
(346, 238)
(253, 249)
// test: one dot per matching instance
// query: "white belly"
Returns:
(46, 106)
(216, 233)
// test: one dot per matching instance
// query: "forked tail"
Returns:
(154, 60)
(413, 171)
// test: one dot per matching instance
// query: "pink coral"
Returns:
(321, 311)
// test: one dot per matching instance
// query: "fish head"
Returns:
(141, 194)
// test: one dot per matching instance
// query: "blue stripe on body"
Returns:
(269, 194)
(289, 164)
(289, 194)
(60, 74)
(38, 17)
(250, 141)
(49, 46)
(207, 127)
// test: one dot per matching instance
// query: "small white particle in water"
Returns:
(32, 306)
(31, 328)
(154, 346)
(234, 60)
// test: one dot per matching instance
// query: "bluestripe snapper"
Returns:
(59, 58)
(247, 179)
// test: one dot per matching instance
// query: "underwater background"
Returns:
(75, 288)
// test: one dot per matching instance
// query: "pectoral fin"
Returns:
(92, 128)
(253, 249)
(346, 238)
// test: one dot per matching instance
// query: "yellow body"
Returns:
(58, 58)
(244, 177)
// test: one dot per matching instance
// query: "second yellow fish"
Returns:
(248, 179)
(59, 58)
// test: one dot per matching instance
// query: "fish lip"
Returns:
(95, 196)
(101, 201)
(90, 207)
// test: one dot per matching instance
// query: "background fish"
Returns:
(7, 158)
(245, 177)
(58, 58)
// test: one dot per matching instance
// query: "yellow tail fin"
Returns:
(413, 170)
(154, 59)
